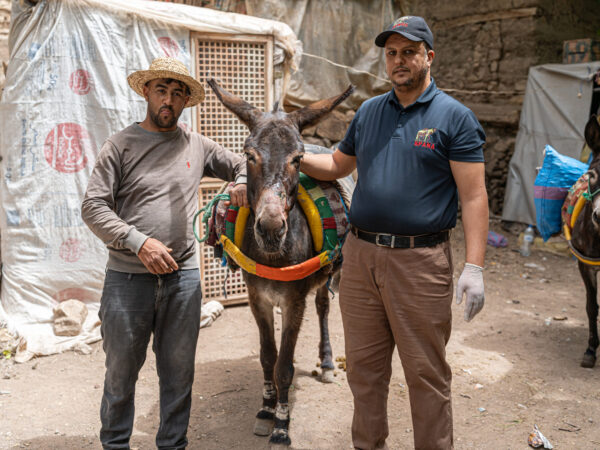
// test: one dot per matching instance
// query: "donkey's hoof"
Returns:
(589, 360)
(327, 376)
(263, 427)
(279, 439)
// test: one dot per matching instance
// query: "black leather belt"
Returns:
(400, 241)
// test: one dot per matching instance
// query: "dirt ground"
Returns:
(515, 365)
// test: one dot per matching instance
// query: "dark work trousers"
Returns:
(133, 306)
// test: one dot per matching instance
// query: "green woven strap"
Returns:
(330, 237)
(230, 226)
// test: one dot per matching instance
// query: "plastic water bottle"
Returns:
(527, 241)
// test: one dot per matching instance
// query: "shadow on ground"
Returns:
(223, 412)
(222, 415)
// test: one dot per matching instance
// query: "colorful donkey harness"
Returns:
(578, 194)
(325, 209)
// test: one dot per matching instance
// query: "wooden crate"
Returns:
(580, 51)
(244, 66)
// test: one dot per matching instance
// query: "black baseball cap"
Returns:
(411, 27)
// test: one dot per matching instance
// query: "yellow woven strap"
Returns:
(584, 259)
(577, 209)
(249, 265)
(312, 216)
(288, 273)
(579, 256)
(567, 231)
(240, 226)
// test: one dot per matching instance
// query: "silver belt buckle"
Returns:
(382, 245)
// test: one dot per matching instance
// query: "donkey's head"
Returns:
(592, 137)
(273, 151)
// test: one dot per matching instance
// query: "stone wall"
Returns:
(484, 50)
(562, 20)
(483, 57)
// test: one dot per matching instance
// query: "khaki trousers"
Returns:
(398, 298)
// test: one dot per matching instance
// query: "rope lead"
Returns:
(589, 196)
(207, 214)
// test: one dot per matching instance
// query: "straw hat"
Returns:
(167, 68)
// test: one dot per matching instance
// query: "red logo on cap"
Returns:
(401, 22)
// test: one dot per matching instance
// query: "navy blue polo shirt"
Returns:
(405, 185)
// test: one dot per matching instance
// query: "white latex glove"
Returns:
(471, 283)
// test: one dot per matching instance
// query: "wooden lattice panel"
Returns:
(243, 66)
(215, 277)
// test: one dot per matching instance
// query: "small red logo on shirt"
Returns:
(188, 164)
(423, 138)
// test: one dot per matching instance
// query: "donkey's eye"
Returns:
(250, 157)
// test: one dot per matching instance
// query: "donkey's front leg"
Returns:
(263, 314)
(588, 274)
(322, 303)
(292, 313)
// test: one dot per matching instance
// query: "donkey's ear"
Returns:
(592, 134)
(313, 112)
(245, 111)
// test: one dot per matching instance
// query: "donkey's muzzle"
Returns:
(271, 228)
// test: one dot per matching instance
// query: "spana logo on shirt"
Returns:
(423, 138)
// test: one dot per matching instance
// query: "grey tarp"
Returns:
(555, 110)
(338, 39)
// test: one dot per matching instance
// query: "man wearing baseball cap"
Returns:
(417, 151)
(140, 200)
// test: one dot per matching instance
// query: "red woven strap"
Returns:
(231, 215)
(329, 223)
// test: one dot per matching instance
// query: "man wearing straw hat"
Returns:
(140, 200)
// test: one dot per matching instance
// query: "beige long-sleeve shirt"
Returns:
(145, 184)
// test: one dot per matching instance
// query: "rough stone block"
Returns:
(333, 127)
(69, 317)
(323, 142)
